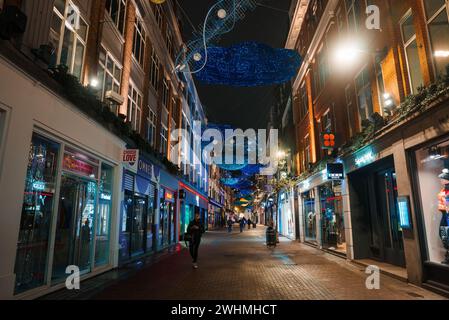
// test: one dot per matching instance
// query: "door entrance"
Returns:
(374, 213)
(392, 241)
(73, 241)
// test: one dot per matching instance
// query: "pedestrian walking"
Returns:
(195, 230)
(249, 224)
(230, 223)
(242, 224)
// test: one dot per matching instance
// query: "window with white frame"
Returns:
(364, 96)
(68, 35)
(117, 12)
(438, 25)
(353, 14)
(165, 92)
(154, 70)
(159, 16)
(134, 108)
(164, 139)
(139, 42)
(411, 52)
(151, 127)
(326, 122)
(109, 73)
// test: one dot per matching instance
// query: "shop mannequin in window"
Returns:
(443, 207)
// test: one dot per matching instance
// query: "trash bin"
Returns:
(271, 237)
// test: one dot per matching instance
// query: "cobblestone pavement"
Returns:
(239, 266)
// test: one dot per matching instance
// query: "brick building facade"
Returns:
(364, 85)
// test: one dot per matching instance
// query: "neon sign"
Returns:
(39, 186)
(366, 158)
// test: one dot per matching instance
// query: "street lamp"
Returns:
(281, 154)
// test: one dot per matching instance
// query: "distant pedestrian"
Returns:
(230, 223)
(242, 224)
(249, 224)
(196, 230)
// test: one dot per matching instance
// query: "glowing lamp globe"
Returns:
(158, 1)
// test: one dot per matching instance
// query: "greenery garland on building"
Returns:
(87, 101)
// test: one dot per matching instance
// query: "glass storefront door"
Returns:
(73, 241)
(393, 246)
(332, 220)
(136, 218)
(309, 215)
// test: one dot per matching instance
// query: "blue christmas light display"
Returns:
(249, 64)
(220, 19)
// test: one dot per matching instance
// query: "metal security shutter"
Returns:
(152, 190)
(128, 182)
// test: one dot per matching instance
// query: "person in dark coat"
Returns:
(196, 230)
(242, 224)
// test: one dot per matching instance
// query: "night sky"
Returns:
(241, 107)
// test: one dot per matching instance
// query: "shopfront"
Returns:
(168, 229)
(332, 217)
(216, 218)
(309, 216)
(375, 217)
(321, 216)
(286, 218)
(431, 182)
(66, 213)
(139, 207)
(191, 203)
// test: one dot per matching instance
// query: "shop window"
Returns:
(411, 52)
(68, 35)
(139, 43)
(433, 181)
(438, 26)
(364, 96)
(309, 215)
(109, 73)
(38, 201)
(74, 241)
(117, 12)
(332, 219)
(103, 221)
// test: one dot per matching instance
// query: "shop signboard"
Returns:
(169, 196)
(335, 171)
(72, 164)
(130, 160)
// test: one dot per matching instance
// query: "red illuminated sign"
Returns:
(75, 165)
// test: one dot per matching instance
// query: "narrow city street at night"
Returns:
(239, 266)
(224, 158)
